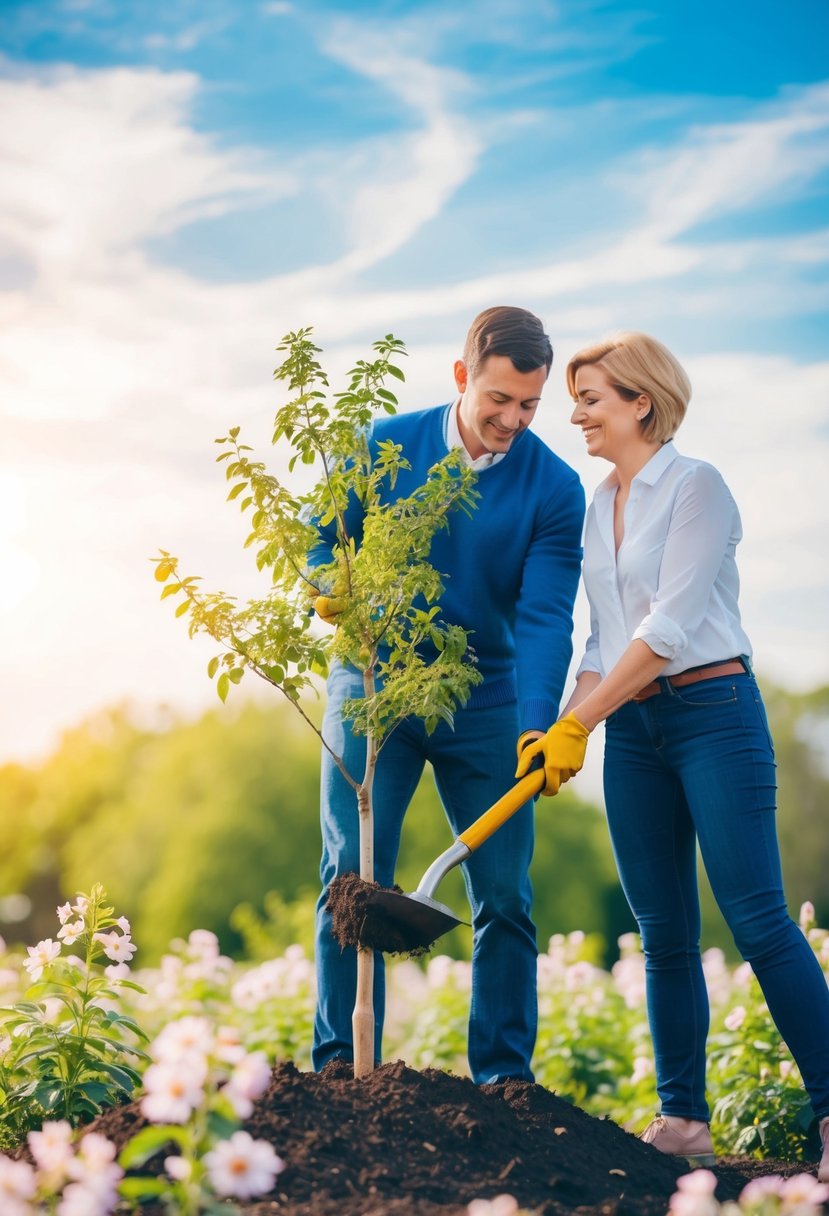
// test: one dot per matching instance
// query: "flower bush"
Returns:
(69, 1047)
(800, 1195)
(194, 1038)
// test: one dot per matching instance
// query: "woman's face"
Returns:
(609, 422)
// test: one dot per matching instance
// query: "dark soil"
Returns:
(407, 1143)
(358, 919)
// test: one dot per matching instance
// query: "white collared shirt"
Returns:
(674, 581)
(455, 440)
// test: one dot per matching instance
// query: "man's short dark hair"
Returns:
(507, 331)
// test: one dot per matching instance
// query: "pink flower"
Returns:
(17, 1186)
(735, 1019)
(501, 1205)
(173, 1089)
(700, 1182)
(51, 1147)
(40, 956)
(117, 946)
(243, 1167)
(248, 1081)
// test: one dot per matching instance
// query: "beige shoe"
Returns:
(823, 1168)
(694, 1144)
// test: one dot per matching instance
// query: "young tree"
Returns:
(380, 594)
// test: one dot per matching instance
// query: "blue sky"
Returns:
(181, 183)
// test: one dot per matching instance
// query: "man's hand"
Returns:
(328, 607)
(562, 749)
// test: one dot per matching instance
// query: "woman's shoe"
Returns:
(823, 1168)
(693, 1143)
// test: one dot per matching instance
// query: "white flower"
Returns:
(119, 947)
(685, 1204)
(173, 1090)
(248, 1081)
(204, 943)
(41, 956)
(117, 971)
(124, 925)
(735, 1019)
(51, 1147)
(803, 1189)
(700, 1182)
(743, 975)
(17, 1185)
(806, 919)
(70, 931)
(64, 912)
(80, 1199)
(756, 1190)
(188, 1036)
(178, 1168)
(81, 905)
(242, 1167)
(501, 1205)
(228, 1045)
(642, 1067)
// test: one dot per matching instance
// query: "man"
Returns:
(511, 572)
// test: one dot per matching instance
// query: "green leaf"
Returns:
(237, 490)
(236, 675)
(170, 589)
(143, 1188)
(223, 686)
(396, 372)
(183, 607)
(213, 666)
(149, 1141)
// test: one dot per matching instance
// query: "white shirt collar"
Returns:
(455, 440)
(649, 473)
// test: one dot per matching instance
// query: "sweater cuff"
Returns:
(537, 714)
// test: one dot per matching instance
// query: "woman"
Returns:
(687, 755)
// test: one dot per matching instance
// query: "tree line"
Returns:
(213, 824)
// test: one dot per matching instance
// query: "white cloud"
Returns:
(95, 163)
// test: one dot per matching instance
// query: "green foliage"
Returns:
(762, 1107)
(284, 923)
(71, 1050)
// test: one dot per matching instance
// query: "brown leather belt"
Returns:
(730, 667)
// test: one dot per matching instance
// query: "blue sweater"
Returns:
(510, 569)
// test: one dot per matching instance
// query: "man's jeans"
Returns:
(697, 763)
(474, 765)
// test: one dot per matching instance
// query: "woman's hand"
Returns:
(562, 749)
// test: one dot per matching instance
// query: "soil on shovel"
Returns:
(357, 920)
(408, 1143)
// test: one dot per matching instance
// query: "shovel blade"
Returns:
(417, 918)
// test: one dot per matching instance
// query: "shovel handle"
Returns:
(503, 809)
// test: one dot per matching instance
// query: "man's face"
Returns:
(497, 403)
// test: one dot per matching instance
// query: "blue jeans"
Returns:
(474, 765)
(697, 763)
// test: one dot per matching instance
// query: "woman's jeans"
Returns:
(697, 763)
(474, 765)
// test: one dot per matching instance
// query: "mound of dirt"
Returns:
(408, 1143)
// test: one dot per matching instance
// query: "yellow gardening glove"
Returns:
(562, 748)
(528, 737)
(329, 607)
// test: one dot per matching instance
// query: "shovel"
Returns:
(418, 918)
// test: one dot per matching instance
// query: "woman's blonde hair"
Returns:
(635, 363)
